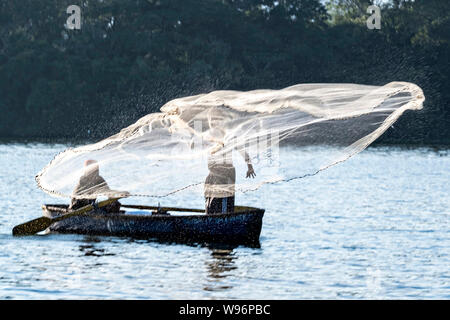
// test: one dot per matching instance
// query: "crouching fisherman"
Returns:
(89, 185)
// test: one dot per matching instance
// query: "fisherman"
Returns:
(220, 183)
(90, 184)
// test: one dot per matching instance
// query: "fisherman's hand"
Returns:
(250, 172)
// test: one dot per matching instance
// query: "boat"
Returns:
(243, 226)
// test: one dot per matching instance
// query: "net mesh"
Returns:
(213, 143)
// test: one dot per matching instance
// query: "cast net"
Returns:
(209, 143)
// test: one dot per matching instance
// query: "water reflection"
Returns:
(89, 248)
(221, 263)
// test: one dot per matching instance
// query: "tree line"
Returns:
(130, 57)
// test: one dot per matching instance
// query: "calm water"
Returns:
(376, 226)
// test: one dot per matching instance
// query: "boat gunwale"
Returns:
(244, 210)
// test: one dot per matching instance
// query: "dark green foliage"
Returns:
(130, 57)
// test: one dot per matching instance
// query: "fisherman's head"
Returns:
(217, 118)
(91, 167)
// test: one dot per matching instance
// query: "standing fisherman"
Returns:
(220, 182)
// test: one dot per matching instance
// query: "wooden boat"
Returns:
(243, 226)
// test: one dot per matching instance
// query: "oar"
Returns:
(161, 208)
(42, 223)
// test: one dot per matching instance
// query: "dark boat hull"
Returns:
(243, 226)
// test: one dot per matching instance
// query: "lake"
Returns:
(374, 227)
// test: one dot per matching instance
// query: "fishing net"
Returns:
(209, 143)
